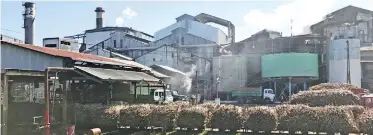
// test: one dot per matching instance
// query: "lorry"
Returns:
(253, 95)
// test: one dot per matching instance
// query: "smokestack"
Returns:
(28, 22)
(99, 11)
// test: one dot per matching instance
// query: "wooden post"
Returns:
(64, 106)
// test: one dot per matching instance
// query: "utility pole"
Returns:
(197, 83)
(348, 63)
(291, 27)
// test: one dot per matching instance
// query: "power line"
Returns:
(11, 31)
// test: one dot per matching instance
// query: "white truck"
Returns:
(253, 94)
(159, 97)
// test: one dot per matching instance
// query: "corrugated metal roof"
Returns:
(155, 73)
(121, 75)
(74, 55)
(169, 69)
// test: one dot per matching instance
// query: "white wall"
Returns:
(194, 28)
(96, 37)
(338, 61)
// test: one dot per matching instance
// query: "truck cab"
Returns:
(268, 95)
(158, 96)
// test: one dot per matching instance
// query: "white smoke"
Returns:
(187, 83)
(127, 14)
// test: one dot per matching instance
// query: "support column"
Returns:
(275, 87)
(4, 122)
(289, 87)
(304, 86)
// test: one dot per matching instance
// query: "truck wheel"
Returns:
(267, 101)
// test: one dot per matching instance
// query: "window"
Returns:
(153, 59)
(121, 43)
(102, 45)
(115, 43)
(172, 55)
(51, 45)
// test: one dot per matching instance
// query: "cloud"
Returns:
(303, 13)
(127, 14)
(119, 21)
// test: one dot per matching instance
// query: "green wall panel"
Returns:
(290, 64)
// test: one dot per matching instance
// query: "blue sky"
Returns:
(68, 17)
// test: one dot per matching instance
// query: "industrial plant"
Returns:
(109, 64)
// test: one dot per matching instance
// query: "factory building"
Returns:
(111, 37)
(358, 21)
(62, 43)
(10, 39)
(177, 56)
(189, 31)
(343, 63)
(268, 51)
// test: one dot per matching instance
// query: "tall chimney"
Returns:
(28, 22)
(99, 11)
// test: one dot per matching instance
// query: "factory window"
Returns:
(182, 40)
(51, 45)
(115, 43)
(153, 59)
(121, 43)
(172, 55)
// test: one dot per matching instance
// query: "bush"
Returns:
(333, 86)
(226, 117)
(259, 119)
(334, 119)
(162, 116)
(135, 115)
(366, 121)
(193, 117)
(297, 118)
(325, 97)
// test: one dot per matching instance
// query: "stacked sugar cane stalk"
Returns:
(329, 108)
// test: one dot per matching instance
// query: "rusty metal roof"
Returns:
(117, 75)
(74, 55)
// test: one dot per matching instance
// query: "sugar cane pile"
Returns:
(366, 121)
(191, 117)
(259, 119)
(90, 115)
(226, 117)
(135, 116)
(325, 97)
(162, 116)
(326, 108)
(333, 86)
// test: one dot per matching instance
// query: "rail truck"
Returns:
(253, 95)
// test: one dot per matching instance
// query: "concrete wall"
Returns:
(234, 71)
(20, 58)
(338, 61)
